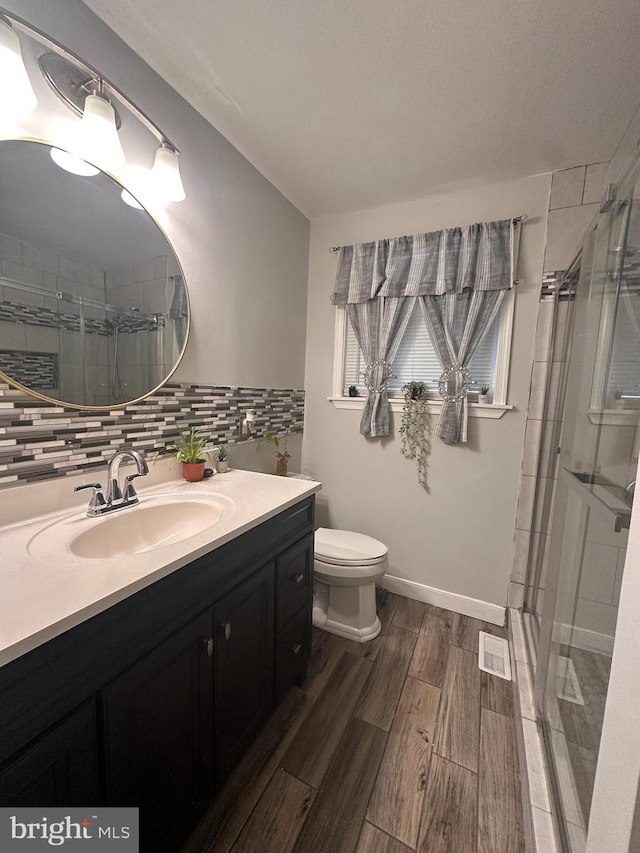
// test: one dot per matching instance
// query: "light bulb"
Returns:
(166, 175)
(16, 93)
(72, 163)
(99, 140)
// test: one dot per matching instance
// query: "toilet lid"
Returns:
(344, 547)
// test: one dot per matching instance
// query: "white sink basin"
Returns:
(156, 522)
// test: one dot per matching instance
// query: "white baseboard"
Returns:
(448, 600)
(584, 638)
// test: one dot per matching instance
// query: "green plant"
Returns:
(484, 390)
(415, 429)
(222, 452)
(188, 446)
(274, 440)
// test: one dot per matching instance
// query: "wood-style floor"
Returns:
(401, 744)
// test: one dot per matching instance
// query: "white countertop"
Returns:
(44, 595)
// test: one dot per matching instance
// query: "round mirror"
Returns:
(94, 311)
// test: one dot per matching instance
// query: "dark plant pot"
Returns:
(193, 471)
(353, 391)
(281, 467)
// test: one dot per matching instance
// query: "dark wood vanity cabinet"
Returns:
(158, 737)
(294, 598)
(166, 690)
(60, 767)
(243, 655)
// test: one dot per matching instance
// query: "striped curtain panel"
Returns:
(460, 276)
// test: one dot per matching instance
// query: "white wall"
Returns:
(243, 246)
(458, 538)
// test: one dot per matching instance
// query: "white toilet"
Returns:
(346, 568)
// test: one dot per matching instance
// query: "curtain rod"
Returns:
(517, 220)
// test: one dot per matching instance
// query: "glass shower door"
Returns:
(598, 457)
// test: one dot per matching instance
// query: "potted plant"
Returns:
(282, 456)
(483, 394)
(415, 430)
(353, 391)
(222, 458)
(188, 448)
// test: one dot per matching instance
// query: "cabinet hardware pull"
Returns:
(227, 630)
(207, 644)
(299, 578)
(296, 649)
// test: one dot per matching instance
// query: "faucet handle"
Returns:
(97, 498)
(130, 493)
(96, 486)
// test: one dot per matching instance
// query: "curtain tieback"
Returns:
(377, 376)
(461, 377)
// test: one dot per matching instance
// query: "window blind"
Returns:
(416, 358)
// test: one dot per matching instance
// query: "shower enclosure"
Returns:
(584, 494)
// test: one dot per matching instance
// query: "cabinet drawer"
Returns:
(294, 580)
(295, 521)
(293, 649)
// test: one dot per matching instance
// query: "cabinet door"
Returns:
(243, 649)
(59, 769)
(158, 735)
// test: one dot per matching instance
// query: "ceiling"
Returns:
(351, 104)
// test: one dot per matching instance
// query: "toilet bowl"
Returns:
(346, 568)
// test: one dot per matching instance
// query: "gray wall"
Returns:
(242, 245)
(459, 538)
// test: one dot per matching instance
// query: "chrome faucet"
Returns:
(116, 498)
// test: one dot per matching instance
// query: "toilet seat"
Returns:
(346, 548)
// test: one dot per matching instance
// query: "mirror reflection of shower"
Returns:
(113, 326)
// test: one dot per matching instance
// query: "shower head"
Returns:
(113, 324)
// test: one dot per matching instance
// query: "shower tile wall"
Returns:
(40, 441)
(573, 204)
(143, 287)
(31, 265)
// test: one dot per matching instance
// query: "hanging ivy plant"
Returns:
(415, 430)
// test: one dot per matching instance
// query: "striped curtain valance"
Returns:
(476, 257)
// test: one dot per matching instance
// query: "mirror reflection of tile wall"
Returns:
(42, 344)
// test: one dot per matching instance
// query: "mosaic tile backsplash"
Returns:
(41, 441)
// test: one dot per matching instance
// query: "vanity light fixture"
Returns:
(99, 140)
(16, 92)
(165, 175)
(84, 90)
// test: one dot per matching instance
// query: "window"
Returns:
(416, 359)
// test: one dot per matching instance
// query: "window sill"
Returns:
(476, 410)
(614, 417)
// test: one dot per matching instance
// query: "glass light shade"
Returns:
(167, 183)
(16, 93)
(72, 163)
(99, 140)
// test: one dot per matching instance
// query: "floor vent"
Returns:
(567, 686)
(493, 655)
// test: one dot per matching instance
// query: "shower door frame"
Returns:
(615, 804)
